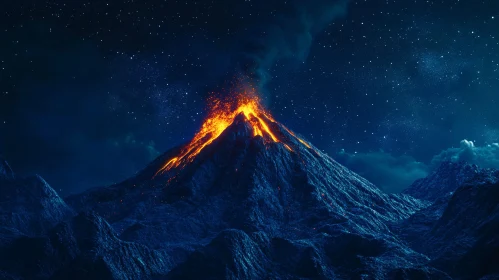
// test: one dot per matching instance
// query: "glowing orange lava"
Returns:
(222, 115)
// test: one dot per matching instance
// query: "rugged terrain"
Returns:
(253, 206)
(459, 231)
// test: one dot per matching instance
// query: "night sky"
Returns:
(90, 92)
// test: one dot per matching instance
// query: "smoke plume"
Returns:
(287, 36)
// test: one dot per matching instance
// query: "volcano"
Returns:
(246, 198)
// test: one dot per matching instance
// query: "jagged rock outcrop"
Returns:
(235, 255)
(85, 247)
(29, 205)
(438, 188)
(465, 239)
(446, 179)
(41, 238)
(459, 231)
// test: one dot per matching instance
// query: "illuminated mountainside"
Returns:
(221, 116)
(247, 198)
(247, 186)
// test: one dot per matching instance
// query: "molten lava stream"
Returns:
(220, 117)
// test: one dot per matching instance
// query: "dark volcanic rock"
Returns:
(459, 231)
(40, 239)
(446, 179)
(249, 208)
(438, 188)
(102, 255)
(246, 205)
(414, 229)
(230, 255)
(465, 240)
(84, 248)
(30, 206)
(236, 255)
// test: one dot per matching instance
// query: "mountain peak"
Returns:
(447, 177)
(30, 205)
(456, 167)
(241, 116)
(241, 127)
(5, 170)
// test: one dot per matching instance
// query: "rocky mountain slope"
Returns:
(41, 237)
(252, 205)
(459, 230)
(29, 205)
(448, 177)
(246, 193)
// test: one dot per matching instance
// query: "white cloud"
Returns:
(484, 156)
(395, 173)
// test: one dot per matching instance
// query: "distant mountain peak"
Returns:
(5, 170)
(456, 166)
(447, 177)
(29, 204)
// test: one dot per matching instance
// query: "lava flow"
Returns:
(220, 116)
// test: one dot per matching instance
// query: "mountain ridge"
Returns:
(252, 205)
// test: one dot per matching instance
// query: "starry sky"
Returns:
(91, 91)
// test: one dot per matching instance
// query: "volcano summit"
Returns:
(246, 198)
(221, 116)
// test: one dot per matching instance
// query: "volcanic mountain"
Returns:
(246, 198)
